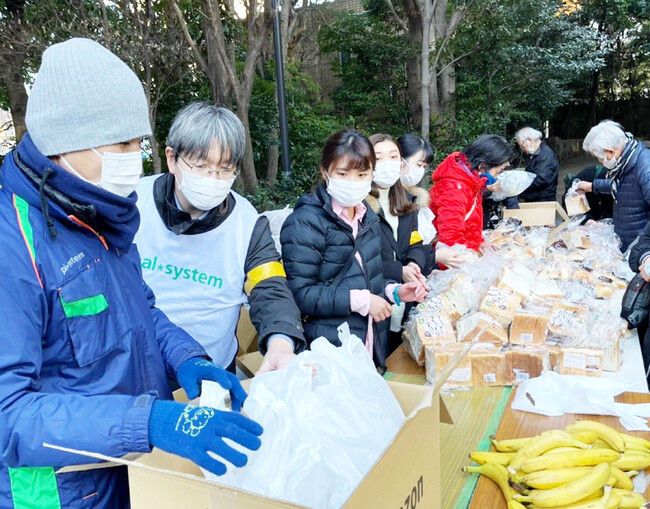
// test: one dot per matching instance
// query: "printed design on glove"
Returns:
(194, 419)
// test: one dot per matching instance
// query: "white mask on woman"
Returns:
(204, 193)
(610, 164)
(413, 177)
(348, 193)
(121, 172)
(387, 173)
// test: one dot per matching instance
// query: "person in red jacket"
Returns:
(456, 195)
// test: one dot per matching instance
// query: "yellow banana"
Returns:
(547, 479)
(570, 459)
(608, 501)
(621, 480)
(633, 460)
(508, 445)
(571, 492)
(600, 444)
(500, 458)
(541, 443)
(586, 436)
(604, 432)
(562, 449)
(629, 499)
(513, 504)
(496, 473)
(634, 442)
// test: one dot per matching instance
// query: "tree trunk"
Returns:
(425, 54)
(414, 62)
(17, 94)
(13, 71)
(219, 86)
(272, 159)
(249, 177)
(448, 93)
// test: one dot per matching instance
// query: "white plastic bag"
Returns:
(276, 220)
(513, 183)
(425, 225)
(322, 434)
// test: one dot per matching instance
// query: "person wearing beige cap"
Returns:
(86, 357)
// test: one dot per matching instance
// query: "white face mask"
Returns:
(610, 164)
(413, 177)
(387, 173)
(204, 193)
(348, 193)
(120, 172)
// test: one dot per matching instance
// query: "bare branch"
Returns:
(188, 37)
(222, 54)
(107, 30)
(401, 22)
(456, 60)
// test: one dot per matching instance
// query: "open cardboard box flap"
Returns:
(543, 213)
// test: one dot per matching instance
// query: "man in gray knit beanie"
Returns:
(86, 356)
(83, 98)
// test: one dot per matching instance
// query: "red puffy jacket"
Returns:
(457, 202)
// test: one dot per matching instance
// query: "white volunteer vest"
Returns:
(198, 279)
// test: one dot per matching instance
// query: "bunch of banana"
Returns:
(588, 465)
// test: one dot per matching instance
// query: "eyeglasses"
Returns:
(208, 171)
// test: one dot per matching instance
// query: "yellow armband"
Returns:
(262, 272)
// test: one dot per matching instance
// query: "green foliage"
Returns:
(369, 53)
(310, 123)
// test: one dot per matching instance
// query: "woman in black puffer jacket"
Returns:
(331, 248)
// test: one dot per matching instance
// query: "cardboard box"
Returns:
(246, 333)
(541, 213)
(406, 475)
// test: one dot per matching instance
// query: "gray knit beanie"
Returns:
(84, 97)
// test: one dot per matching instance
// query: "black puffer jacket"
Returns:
(409, 243)
(316, 244)
(545, 166)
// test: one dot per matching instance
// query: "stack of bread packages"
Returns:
(532, 304)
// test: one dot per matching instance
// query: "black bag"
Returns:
(636, 302)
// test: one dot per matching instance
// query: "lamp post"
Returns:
(279, 81)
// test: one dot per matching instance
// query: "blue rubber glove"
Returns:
(194, 370)
(191, 431)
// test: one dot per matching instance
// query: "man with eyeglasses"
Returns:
(205, 247)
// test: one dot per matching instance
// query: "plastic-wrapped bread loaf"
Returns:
(456, 294)
(427, 329)
(437, 359)
(435, 329)
(529, 327)
(488, 365)
(500, 304)
(413, 345)
(481, 327)
(568, 320)
(518, 279)
(525, 362)
(439, 304)
(581, 360)
(576, 204)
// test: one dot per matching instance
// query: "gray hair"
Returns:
(608, 135)
(200, 128)
(528, 133)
